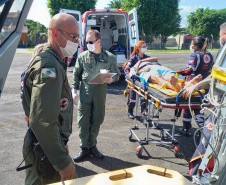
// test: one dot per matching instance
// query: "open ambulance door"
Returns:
(133, 28)
(77, 15)
(13, 14)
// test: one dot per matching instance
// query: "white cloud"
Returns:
(185, 11)
(39, 12)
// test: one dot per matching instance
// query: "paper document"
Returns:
(100, 78)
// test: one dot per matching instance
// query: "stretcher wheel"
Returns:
(162, 135)
(139, 150)
(176, 151)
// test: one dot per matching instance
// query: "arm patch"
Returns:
(48, 73)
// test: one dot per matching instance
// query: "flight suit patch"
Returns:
(48, 73)
(89, 60)
(86, 73)
(64, 104)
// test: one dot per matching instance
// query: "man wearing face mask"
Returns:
(138, 55)
(222, 35)
(91, 105)
(199, 62)
(47, 101)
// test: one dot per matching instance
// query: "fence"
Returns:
(177, 42)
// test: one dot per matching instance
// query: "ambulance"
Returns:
(118, 29)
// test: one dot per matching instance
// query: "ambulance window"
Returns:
(9, 16)
(76, 16)
(131, 17)
(133, 30)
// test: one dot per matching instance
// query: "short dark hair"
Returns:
(223, 26)
(96, 33)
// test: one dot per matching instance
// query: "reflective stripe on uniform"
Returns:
(187, 119)
(131, 100)
(198, 62)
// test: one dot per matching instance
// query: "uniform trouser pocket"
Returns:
(46, 169)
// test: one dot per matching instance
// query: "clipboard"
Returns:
(99, 78)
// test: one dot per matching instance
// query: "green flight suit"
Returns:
(45, 87)
(91, 105)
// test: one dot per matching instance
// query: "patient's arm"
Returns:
(151, 59)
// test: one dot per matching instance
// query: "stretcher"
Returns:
(145, 175)
(157, 99)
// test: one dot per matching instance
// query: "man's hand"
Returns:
(75, 96)
(188, 91)
(68, 173)
(109, 80)
(67, 148)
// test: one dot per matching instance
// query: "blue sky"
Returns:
(185, 6)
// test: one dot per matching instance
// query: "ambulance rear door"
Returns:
(13, 14)
(133, 28)
(77, 15)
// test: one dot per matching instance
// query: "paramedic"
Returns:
(208, 124)
(199, 62)
(91, 104)
(222, 34)
(137, 55)
(46, 87)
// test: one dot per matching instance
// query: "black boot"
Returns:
(183, 131)
(84, 152)
(94, 151)
(130, 113)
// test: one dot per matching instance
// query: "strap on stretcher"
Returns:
(141, 79)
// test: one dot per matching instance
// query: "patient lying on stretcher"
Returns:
(161, 75)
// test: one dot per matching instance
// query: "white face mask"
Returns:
(143, 50)
(191, 48)
(69, 49)
(91, 47)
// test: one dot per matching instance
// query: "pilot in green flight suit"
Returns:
(48, 103)
(91, 107)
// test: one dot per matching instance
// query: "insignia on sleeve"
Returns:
(48, 73)
(206, 58)
(86, 73)
(191, 62)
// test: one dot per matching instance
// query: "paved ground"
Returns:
(113, 138)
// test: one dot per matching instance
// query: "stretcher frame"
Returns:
(140, 87)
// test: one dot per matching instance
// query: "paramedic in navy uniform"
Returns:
(137, 55)
(200, 62)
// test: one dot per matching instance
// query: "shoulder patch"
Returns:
(191, 61)
(206, 58)
(48, 73)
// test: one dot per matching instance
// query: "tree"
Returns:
(115, 4)
(156, 17)
(80, 5)
(206, 22)
(34, 28)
